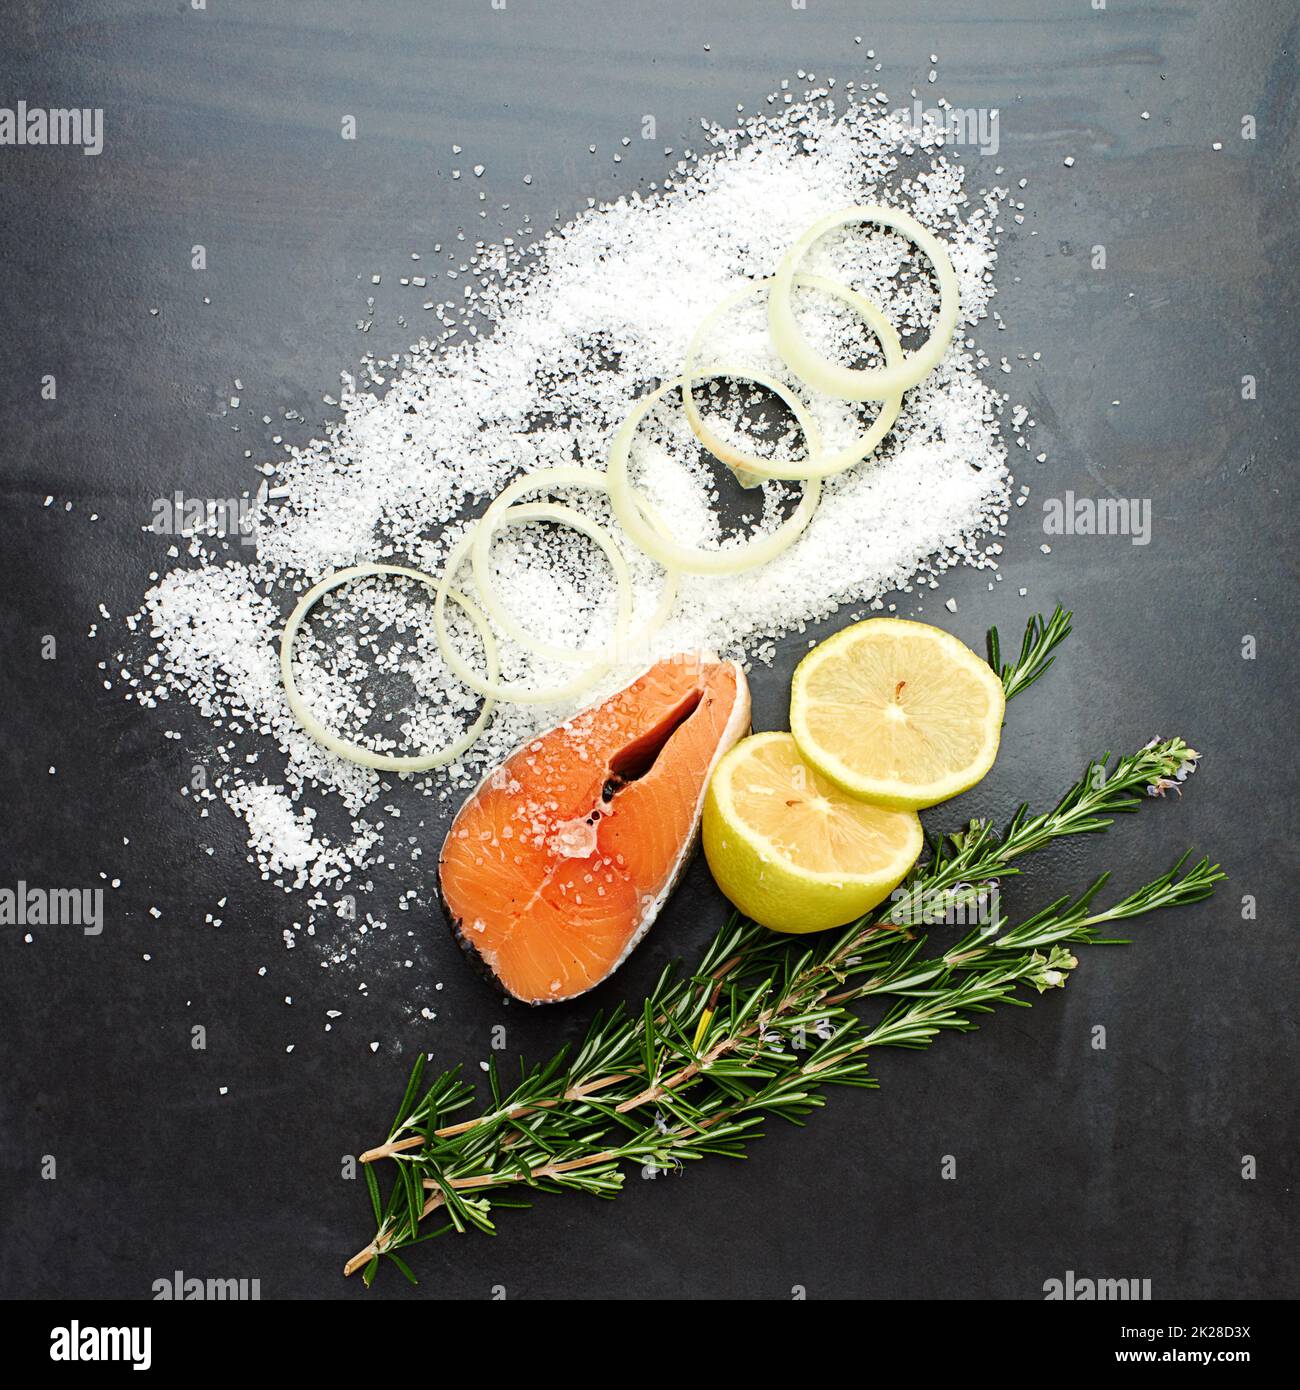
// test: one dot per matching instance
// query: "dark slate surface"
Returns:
(222, 128)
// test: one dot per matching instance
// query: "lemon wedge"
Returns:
(790, 849)
(899, 713)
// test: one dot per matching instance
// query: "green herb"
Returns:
(763, 1025)
(1042, 636)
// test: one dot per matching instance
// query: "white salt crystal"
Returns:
(465, 414)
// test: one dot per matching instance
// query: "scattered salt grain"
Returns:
(582, 319)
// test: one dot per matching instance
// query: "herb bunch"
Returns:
(763, 1024)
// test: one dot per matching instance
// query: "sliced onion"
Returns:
(868, 384)
(628, 506)
(636, 514)
(500, 514)
(345, 748)
(639, 642)
(490, 686)
(751, 467)
(504, 511)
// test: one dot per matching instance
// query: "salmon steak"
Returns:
(558, 864)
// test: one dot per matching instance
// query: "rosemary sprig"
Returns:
(750, 1071)
(1042, 637)
(760, 1029)
(960, 862)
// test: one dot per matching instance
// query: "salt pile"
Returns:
(541, 353)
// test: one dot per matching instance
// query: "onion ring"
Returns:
(871, 384)
(627, 506)
(825, 466)
(503, 513)
(636, 514)
(356, 752)
(500, 514)
(750, 469)
(489, 686)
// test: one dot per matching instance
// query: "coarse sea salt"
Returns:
(539, 357)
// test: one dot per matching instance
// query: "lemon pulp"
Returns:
(791, 849)
(896, 712)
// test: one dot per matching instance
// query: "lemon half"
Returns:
(790, 849)
(899, 713)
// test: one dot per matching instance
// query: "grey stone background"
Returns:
(222, 127)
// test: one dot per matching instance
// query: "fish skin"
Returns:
(735, 726)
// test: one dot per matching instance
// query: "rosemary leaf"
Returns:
(762, 1026)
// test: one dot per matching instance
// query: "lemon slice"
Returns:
(790, 849)
(899, 713)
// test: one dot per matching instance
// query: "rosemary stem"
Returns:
(717, 1051)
